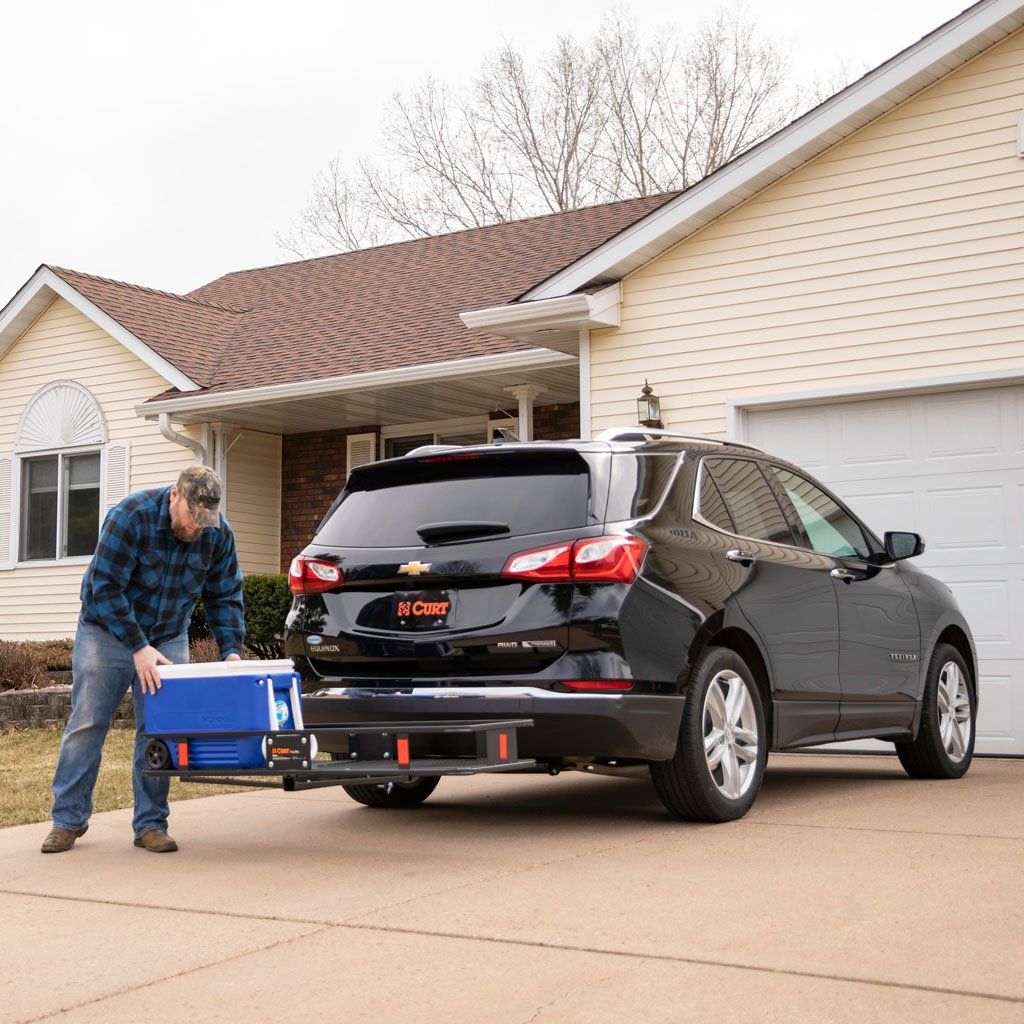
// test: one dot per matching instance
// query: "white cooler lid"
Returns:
(226, 668)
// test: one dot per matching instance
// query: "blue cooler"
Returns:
(224, 696)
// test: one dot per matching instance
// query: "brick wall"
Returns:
(556, 422)
(313, 471)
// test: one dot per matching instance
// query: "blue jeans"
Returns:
(102, 671)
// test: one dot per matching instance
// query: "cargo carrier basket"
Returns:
(377, 753)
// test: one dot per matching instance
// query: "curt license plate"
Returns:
(420, 609)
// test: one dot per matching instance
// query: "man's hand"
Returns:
(146, 661)
(233, 657)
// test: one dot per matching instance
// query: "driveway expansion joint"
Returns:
(50, 1014)
(695, 960)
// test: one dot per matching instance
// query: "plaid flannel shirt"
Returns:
(142, 582)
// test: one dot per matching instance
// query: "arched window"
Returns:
(59, 459)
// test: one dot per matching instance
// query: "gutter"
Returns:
(537, 358)
(555, 322)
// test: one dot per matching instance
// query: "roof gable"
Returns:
(913, 69)
(40, 290)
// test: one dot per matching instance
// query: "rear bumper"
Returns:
(566, 726)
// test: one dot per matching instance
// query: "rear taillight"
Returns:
(595, 560)
(599, 685)
(550, 564)
(608, 559)
(312, 575)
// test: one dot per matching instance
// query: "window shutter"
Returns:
(359, 450)
(116, 474)
(8, 542)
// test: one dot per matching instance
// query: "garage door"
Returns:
(951, 467)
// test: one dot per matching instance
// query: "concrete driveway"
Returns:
(850, 893)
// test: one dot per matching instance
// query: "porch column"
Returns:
(219, 455)
(525, 394)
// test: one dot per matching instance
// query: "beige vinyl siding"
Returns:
(896, 256)
(41, 602)
(254, 499)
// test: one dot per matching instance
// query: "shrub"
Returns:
(21, 668)
(203, 649)
(267, 600)
(54, 655)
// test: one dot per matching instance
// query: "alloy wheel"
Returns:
(954, 701)
(731, 741)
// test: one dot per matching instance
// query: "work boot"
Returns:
(61, 839)
(156, 840)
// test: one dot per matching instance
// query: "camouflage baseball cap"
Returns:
(202, 489)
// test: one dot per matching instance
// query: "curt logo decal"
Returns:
(421, 608)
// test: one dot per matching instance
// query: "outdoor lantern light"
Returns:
(648, 408)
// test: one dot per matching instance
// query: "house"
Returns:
(849, 294)
(283, 378)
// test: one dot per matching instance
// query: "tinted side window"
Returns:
(749, 499)
(711, 506)
(827, 527)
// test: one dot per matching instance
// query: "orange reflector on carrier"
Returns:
(503, 746)
(403, 751)
(183, 755)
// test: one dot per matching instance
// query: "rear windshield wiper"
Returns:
(447, 531)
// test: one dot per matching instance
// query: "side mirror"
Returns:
(900, 544)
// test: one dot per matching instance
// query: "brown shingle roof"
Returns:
(188, 332)
(372, 309)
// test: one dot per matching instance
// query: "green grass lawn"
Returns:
(27, 760)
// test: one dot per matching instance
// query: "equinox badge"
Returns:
(413, 568)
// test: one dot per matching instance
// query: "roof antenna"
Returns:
(502, 435)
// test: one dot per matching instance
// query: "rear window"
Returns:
(535, 492)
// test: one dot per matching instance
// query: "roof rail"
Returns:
(646, 433)
(431, 449)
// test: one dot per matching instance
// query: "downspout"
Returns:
(202, 457)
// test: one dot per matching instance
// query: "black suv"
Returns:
(650, 600)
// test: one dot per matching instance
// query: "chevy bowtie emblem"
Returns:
(414, 568)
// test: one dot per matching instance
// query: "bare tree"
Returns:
(619, 116)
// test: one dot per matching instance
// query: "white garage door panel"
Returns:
(951, 467)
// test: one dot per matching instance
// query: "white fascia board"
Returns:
(38, 292)
(824, 126)
(599, 309)
(327, 386)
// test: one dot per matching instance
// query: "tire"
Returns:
(941, 750)
(393, 794)
(158, 757)
(689, 785)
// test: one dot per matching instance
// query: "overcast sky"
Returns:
(166, 144)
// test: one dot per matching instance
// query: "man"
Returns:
(157, 551)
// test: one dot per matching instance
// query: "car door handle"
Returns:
(846, 575)
(743, 557)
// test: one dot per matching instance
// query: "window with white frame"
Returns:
(400, 440)
(60, 505)
(61, 478)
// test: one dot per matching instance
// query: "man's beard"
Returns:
(185, 536)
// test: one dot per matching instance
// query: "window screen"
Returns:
(749, 499)
(827, 527)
